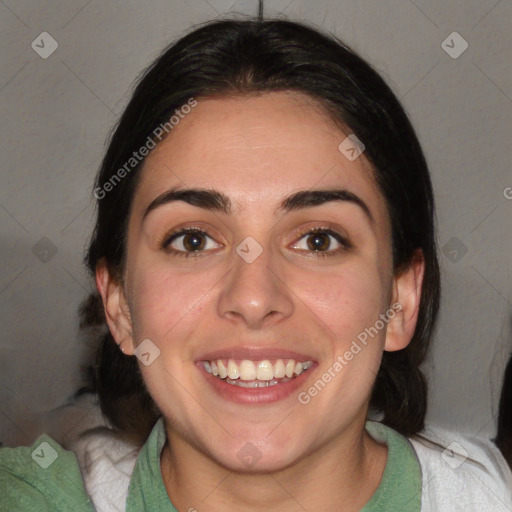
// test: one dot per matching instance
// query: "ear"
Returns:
(406, 296)
(116, 308)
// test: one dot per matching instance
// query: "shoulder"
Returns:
(43, 476)
(107, 462)
(461, 473)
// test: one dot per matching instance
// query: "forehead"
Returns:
(256, 149)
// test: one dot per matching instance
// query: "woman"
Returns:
(266, 261)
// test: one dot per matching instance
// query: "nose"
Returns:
(254, 294)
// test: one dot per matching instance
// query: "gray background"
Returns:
(56, 115)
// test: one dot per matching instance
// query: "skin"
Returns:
(258, 150)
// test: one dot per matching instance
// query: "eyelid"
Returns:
(343, 240)
(300, 233)
(327, 228)
(175, 233)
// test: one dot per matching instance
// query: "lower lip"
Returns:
(265, 395)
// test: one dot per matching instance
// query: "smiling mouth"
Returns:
(256, 374)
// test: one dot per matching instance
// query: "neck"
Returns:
(341, 475)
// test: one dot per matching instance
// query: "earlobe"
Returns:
(406, 299)
(116, 308)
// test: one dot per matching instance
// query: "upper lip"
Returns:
(254, 354)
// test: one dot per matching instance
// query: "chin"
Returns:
(253, 457)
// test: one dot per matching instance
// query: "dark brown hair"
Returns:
(232, 57)
(504, 435)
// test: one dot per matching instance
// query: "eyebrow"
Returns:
(217, 201)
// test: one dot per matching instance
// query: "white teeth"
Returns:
(290, 367)
(265, 370)
(247, 370)
(306, 365)
(256, 373)
(279, 369)
(223, 373)
(233, 372)
(256, 383)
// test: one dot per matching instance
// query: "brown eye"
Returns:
(318, 242)
(186, 242)
(322, 241)
(194, 241)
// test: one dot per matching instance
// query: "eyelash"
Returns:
(171, 237)
(174, 235)
(344, 243)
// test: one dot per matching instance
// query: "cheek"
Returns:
(346, 302)
(166, 304)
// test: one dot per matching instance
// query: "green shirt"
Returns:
(43, 477)
(47, 477)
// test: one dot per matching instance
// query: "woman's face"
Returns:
(254, 241)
